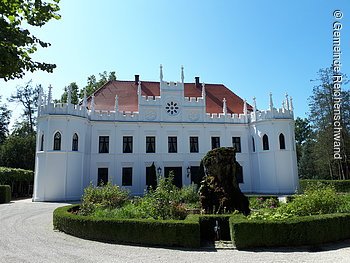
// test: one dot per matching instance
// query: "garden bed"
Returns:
(244, 233)
(179, 233)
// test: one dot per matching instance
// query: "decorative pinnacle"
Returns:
(254, 103)
(224, 106)
(84, 99)
(287, 101)
(161, 73)
(245, 111)
(271, 102)
(69, 95)
(40, 98)
(49, 96)
(139, 88)
(116, 104)
(291, 103)
(203, 90)
(92, 105)
(182, 74)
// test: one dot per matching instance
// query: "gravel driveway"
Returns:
(26, 235)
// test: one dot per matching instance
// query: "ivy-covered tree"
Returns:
(17, 44)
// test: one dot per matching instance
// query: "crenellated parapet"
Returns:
(63, 109)
(193, 109)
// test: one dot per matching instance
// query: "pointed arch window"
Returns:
(282, 142)
(57, 141)
(42, 142)
(75, 142)
(265, 142)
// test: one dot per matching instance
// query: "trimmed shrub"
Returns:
(21, 181)
(298, 231)
(184, 233)
(341, 186)
(5, 194)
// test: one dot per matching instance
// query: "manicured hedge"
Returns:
(179, 233)
(341, 186)
(21, 181)
(310, 230)
(5, 194)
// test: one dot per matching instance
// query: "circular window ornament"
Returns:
(172, 108)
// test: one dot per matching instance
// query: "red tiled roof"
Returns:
(127, 96)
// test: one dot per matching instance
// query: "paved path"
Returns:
(26, 235)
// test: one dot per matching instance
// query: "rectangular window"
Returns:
(127, 144)
(194, 145)
(236, 143)
(102, 176)
(103, 144)
(127, 176)
(215, 142)
(172, 144)
(150, 144)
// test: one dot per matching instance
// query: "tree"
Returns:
(17, 44)
(5, 115)
(74, 93)
(18, 150)
(28, 96)
(93, 84)
(322, 117)
(303, 132)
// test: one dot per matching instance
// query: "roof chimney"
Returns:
(197, 82)
(137, 79)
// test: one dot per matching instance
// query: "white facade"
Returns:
(62, 174)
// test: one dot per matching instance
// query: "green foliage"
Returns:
(297, 231)
(184, 233)
(164, 202)
(11, 175)
(5, 115)
(17, 44)
(260, 202)
(74, 94)
(19, 180)
(5, 194)
(189, 194)
(319, 157)
(27, 95)
(106, 197)
(316, 200)
(340, 186)
(18, 150)
(93, 84)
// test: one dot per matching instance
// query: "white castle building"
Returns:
(118, 132)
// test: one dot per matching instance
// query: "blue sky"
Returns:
(253, 47)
